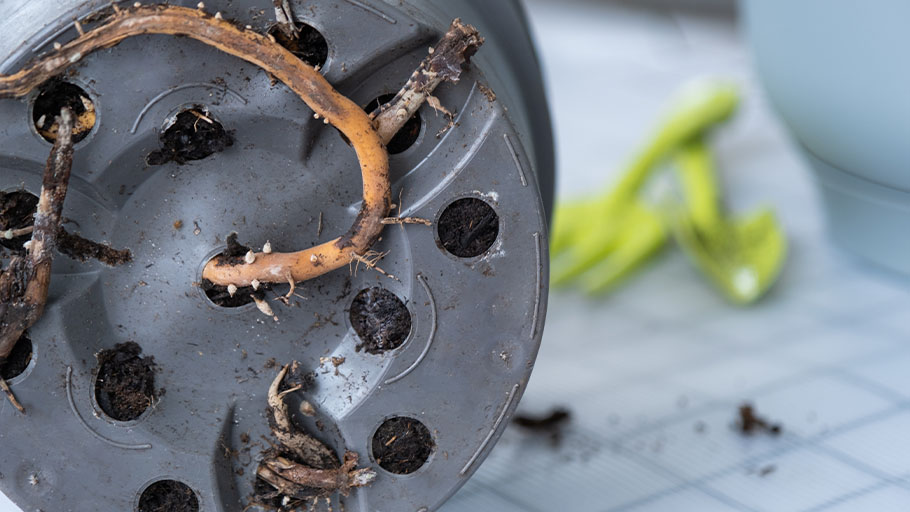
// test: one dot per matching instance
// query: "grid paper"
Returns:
(654, 374)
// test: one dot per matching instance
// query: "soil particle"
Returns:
(468, 227)
(380, 319)
(168, 496)
(17, 211)
(125, 385)
(402, 445)
(193, 136)
(750, 423)
(552, 424)
(17, 360)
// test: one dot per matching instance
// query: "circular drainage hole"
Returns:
(468, 227)
(17, 211)
(125, 383)
(402, 445)
(380, 319)
(222, 296)
(168, 496)
(17, 360)
(52, 97)
(192, 135)
(309, 45)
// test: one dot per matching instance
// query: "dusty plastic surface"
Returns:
(476, 322)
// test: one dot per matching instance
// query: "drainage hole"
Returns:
(192, 135)
(52, 97)
(168, 496)
(17, 360)
(17, 212)
(402, 445)
(309, 45)
(380, 319)
(125, 383)
(220, 295)
(468, 227)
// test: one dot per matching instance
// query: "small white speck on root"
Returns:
(232, 289)
(267, 248)
(255, 284)
(307, 409)
(200, 5)
(137, 5)
(250, 257)
(313, 258)
(218, 16)
(57, 45)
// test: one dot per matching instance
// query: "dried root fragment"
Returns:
(444, 63)
(302, 467)
(24, 283)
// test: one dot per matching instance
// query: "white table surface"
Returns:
(826, 354)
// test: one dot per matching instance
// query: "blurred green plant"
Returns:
(598, 242)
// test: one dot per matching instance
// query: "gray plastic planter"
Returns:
(832, 68)
(476, 322)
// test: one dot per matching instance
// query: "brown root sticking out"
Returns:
(24, 284)
(304, 80)
(302, 467)
(444, 63)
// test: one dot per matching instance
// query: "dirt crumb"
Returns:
(750, 423)
(551, 424)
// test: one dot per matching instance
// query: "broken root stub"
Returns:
(125, 384)
(301, 467)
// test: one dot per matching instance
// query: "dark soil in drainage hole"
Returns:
(17, 211)
(380, 319)
(168, 496)
(232, 255)
(53, 96)
(17, 360)
(402, 445)
(468, 227)
(125, 384)
(309, 45)
(193, 136)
